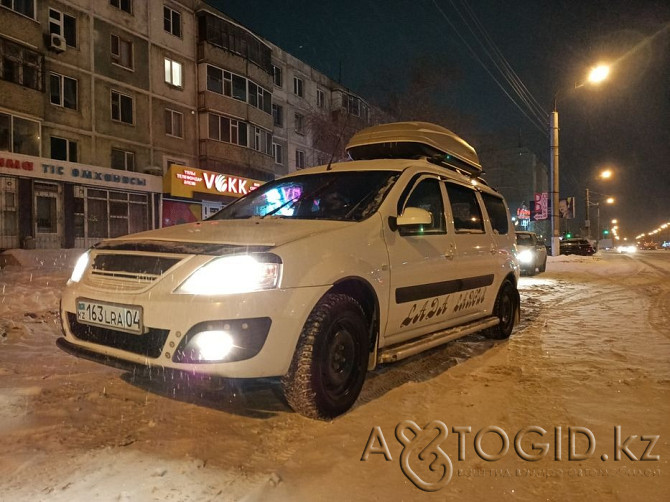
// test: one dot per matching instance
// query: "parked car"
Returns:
(313, 278)
(531, 252)
(577, 246)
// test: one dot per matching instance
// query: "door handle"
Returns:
(493, 249)
(449, 255)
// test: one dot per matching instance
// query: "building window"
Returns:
(20, 65)
(19, 135)
(228, 130)
(46, 208)
(25, 7)
(353, 105)
(122, 52)
(172, 21)
(299, 159)
(63, 91)
(124, 5)
(63, 25)
(299, 124)
(277, 75)
(123, 160)
(262, 140)
(63, 149)
(320, 98)
(173, 73)
(278, 153)
(278, 115)
(298, 86)
(174, 123)
(235, 86)
(122, 108)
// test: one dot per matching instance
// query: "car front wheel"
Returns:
(330, 362)
(505, 309)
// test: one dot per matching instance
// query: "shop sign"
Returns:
(11, 163)
(48, 169)
(184, 181)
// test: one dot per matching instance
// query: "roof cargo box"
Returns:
(414, 139)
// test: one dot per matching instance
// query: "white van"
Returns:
(314, 278)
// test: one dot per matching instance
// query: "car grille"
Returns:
(128, 272)
(149, 344)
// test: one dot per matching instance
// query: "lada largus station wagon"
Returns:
(314, 278)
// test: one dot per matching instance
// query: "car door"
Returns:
(476, 253)
(422, 272)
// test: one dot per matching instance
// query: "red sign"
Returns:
(26, 165)
(541, 209)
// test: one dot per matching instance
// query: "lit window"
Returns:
(173, 73)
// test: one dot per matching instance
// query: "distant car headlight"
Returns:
(525, 256)
(627, 249)
(234, 274)
(80, 267)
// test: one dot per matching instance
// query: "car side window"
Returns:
(495, 207)
(465, 209)
(427, 195)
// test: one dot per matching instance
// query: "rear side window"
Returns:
(465, 209)
(497, 213)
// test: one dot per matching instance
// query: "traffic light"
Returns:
(568, 235)
(606, 232)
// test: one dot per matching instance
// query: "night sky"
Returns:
(624, 124)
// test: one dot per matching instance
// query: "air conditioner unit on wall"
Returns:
(57, 42)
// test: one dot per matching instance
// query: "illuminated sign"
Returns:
(183, 181)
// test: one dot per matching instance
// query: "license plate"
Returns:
(126, 318)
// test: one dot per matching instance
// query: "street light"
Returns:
(596, 75)
(607, 200)
(604, 175)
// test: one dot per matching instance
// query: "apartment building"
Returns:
(118, 116)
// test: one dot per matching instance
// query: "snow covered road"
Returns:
(589, 365)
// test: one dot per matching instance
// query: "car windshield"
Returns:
(333, 195)
(524, 240)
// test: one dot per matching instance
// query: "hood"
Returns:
(267, 232)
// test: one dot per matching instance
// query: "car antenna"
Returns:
(337, 144)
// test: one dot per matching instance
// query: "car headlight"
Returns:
(80, 267)
(525, 256)
(234, 274)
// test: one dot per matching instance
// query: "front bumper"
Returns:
(265, 326)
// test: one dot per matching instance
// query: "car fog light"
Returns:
(212, 345)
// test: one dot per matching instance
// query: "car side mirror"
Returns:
(413, 216)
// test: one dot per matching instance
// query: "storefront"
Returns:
(47, 203)
(193, 194)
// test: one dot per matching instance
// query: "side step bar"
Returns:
(403, 350)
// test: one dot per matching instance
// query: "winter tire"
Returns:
(505, 309)
(329, 365)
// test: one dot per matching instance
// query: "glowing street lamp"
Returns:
(596, 76)
(599, 73)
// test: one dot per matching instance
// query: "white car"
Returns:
(313, 278)
(531, 252)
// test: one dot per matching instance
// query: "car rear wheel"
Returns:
(505, 309)
(330, 362)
